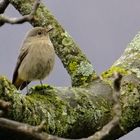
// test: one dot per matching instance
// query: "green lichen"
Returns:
(67, 39)
(109, 73)
(85, 69)
(131, 57)
(82, 74)
(135, 43)
(71, 112)
(73, 66)
(63, 109)
(130, 103)
(26, 8)
(40, 88)
(67, 42)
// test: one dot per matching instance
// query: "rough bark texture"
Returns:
(67, 111)
(76, 112)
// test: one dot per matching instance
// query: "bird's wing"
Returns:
(24, 84)
(23, 53)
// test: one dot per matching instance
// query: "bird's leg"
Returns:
(41, 83)
(27, 89)
(42, 86)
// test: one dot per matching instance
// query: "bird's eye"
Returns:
(39, 33)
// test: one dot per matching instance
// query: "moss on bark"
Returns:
(76, 112)
(68, 112)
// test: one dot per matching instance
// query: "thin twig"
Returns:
(116, 111)
(4, 105)
(3, 5)
(27, 130)
(1, 113)
(21, 128)
(4, 19)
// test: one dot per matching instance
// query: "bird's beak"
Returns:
(49, 28)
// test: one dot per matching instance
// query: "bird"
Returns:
(36, 58)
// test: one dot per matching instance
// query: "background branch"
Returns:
(4, 19)
(3, 5)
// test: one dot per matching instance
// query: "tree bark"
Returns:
(80, 110)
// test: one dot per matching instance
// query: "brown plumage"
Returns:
(36, 58)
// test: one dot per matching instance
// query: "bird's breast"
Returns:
(39, 61)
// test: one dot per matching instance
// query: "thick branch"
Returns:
(130, 58)
(67, 111)
(74, 112)
(36, 134)
(128, 65)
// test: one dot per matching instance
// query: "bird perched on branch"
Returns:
(36, 58)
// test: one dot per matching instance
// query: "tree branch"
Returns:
(36, 134)
(4, 105)
(23, 129)
(4, 19)
(75, 112)
(106, 130)
(3, 5)
(61, 108)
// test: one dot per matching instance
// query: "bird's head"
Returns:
(39, 31)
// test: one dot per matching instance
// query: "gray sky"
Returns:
(102, 28)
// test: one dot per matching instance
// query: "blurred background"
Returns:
(102, 29)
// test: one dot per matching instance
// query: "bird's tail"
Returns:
(20, 84)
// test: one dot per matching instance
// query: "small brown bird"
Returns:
(36, 58)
